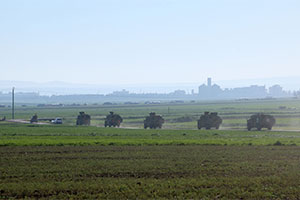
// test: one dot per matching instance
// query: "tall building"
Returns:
(209, 82)
(209, 91)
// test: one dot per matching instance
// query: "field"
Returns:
(177, 115)
(178, 161)
(56, 135)
(122, 172)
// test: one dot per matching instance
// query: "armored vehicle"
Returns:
(209, 120)
(113, 120)
(83, 119)
(34, 119)
(153, 121)
(260, 121)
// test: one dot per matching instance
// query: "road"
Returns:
(22, 121)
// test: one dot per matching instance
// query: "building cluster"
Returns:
(214, 91)
(207, 91)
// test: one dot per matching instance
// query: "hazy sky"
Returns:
(148, 41)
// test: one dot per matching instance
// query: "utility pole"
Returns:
(13, 103)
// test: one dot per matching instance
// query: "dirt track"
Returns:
(22, 121)
(127, 127)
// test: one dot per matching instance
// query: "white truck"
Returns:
(57, 120)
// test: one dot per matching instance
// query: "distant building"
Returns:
(277, 91)
(178, 93)
(209, 82)
(209, 91)
(254, 91)
(214, 91)
(120, 93)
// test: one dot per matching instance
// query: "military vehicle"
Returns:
(83, 119)
(260, 121)
(34, 119)
(153, 121)
(113, 120)
(209, 120)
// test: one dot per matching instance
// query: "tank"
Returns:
(209, 120)
(260, 121)
(83, 119)
(113, 120)
(153, 121)
(34, 119)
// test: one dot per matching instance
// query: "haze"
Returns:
(144, 42)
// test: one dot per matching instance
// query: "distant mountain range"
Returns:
(61, 88)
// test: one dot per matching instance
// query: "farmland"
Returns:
(47, 135)
(178, 161)
(114, 172)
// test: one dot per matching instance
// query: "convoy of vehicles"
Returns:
(34, 119)
(153, 121)
(260, 121)
(113, 120)
(209, 120)
(83, 119)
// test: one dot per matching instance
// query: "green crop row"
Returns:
(150, 172)
(43, 135)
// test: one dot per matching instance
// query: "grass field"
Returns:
(156, 172)
(56, 135)
(178, 161)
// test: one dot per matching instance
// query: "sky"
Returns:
(115, 42)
